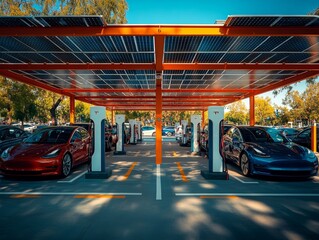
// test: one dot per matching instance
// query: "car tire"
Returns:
(245, 164)
(66, 165)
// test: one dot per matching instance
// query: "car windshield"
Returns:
(50, 136)
(261, 135)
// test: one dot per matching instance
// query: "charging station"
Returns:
(98, 169)
(184, 139)
(119, 149)
(133, 139)
(216, 164)
(195, 121)
(139, 131)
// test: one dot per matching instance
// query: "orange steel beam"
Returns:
(241, 66)
(77, 66)
(72, 110)
(130, 90)
(164, 30)
(252, 110)
(29, 81)
(195, 90)
(165, 98)
(159, 66)
(159, 52)
(158, 121)
(107, 90)
(200, 106)
(165, 101)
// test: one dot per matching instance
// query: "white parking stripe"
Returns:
(238, 179)
(158, 182)
(68, 193)
(249, 194)
(72, 180)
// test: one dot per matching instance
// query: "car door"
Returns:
(303, 138)
(237, 142)
(76, 147)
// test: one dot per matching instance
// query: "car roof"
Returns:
(8, 126)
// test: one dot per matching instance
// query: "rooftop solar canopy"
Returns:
(117, 66)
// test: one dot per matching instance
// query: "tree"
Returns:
(237, 114)
(113, 11)
(23, 108)
(264, 111)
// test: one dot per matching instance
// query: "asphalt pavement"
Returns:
(142, 200)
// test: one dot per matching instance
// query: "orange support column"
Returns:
(252, 110)
(72, 110)
(314, 137)
(158, 121)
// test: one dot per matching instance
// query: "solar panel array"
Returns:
(124, 49)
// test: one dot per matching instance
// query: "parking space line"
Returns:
(38, 194)
(238, 179)
(73, 179)
(181, 171)
(247, 195)
(158, 182)
(128, 173)
(99, 196)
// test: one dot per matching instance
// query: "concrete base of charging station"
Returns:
(99, 175)
(119, 153)
(214, 175)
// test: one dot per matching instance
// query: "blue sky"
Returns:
(208, 11)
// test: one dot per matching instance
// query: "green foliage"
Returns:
(82, 111)
(264, 111)
(113, 11)
(237, 114)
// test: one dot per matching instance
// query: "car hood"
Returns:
(26, 150)
(287, 150)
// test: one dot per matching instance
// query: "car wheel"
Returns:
(66, 165)
(153, 134)
(245, 164)
(169, 134)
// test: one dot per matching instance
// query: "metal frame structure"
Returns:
(159, 67)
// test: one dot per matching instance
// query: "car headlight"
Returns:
(6, 153)
(52, 154)
(259, 153)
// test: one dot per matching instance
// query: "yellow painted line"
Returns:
(181, 171)
(128, 173)
(99, 196)
(24, 196)
(175, 154)
(231, 197)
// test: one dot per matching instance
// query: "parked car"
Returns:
(304, 138)
(148, 131)
(290, 133)
(265, 151)
(168, 131)
(49, 151)
(10, 136)
(203, 139)
(108, 133)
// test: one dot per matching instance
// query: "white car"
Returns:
(148, 131)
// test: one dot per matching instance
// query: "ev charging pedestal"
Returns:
(98, 169)
(195, 120)
(139, 131)
(216, 166)
(119, 119)
(133, 139)
(183, 140)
